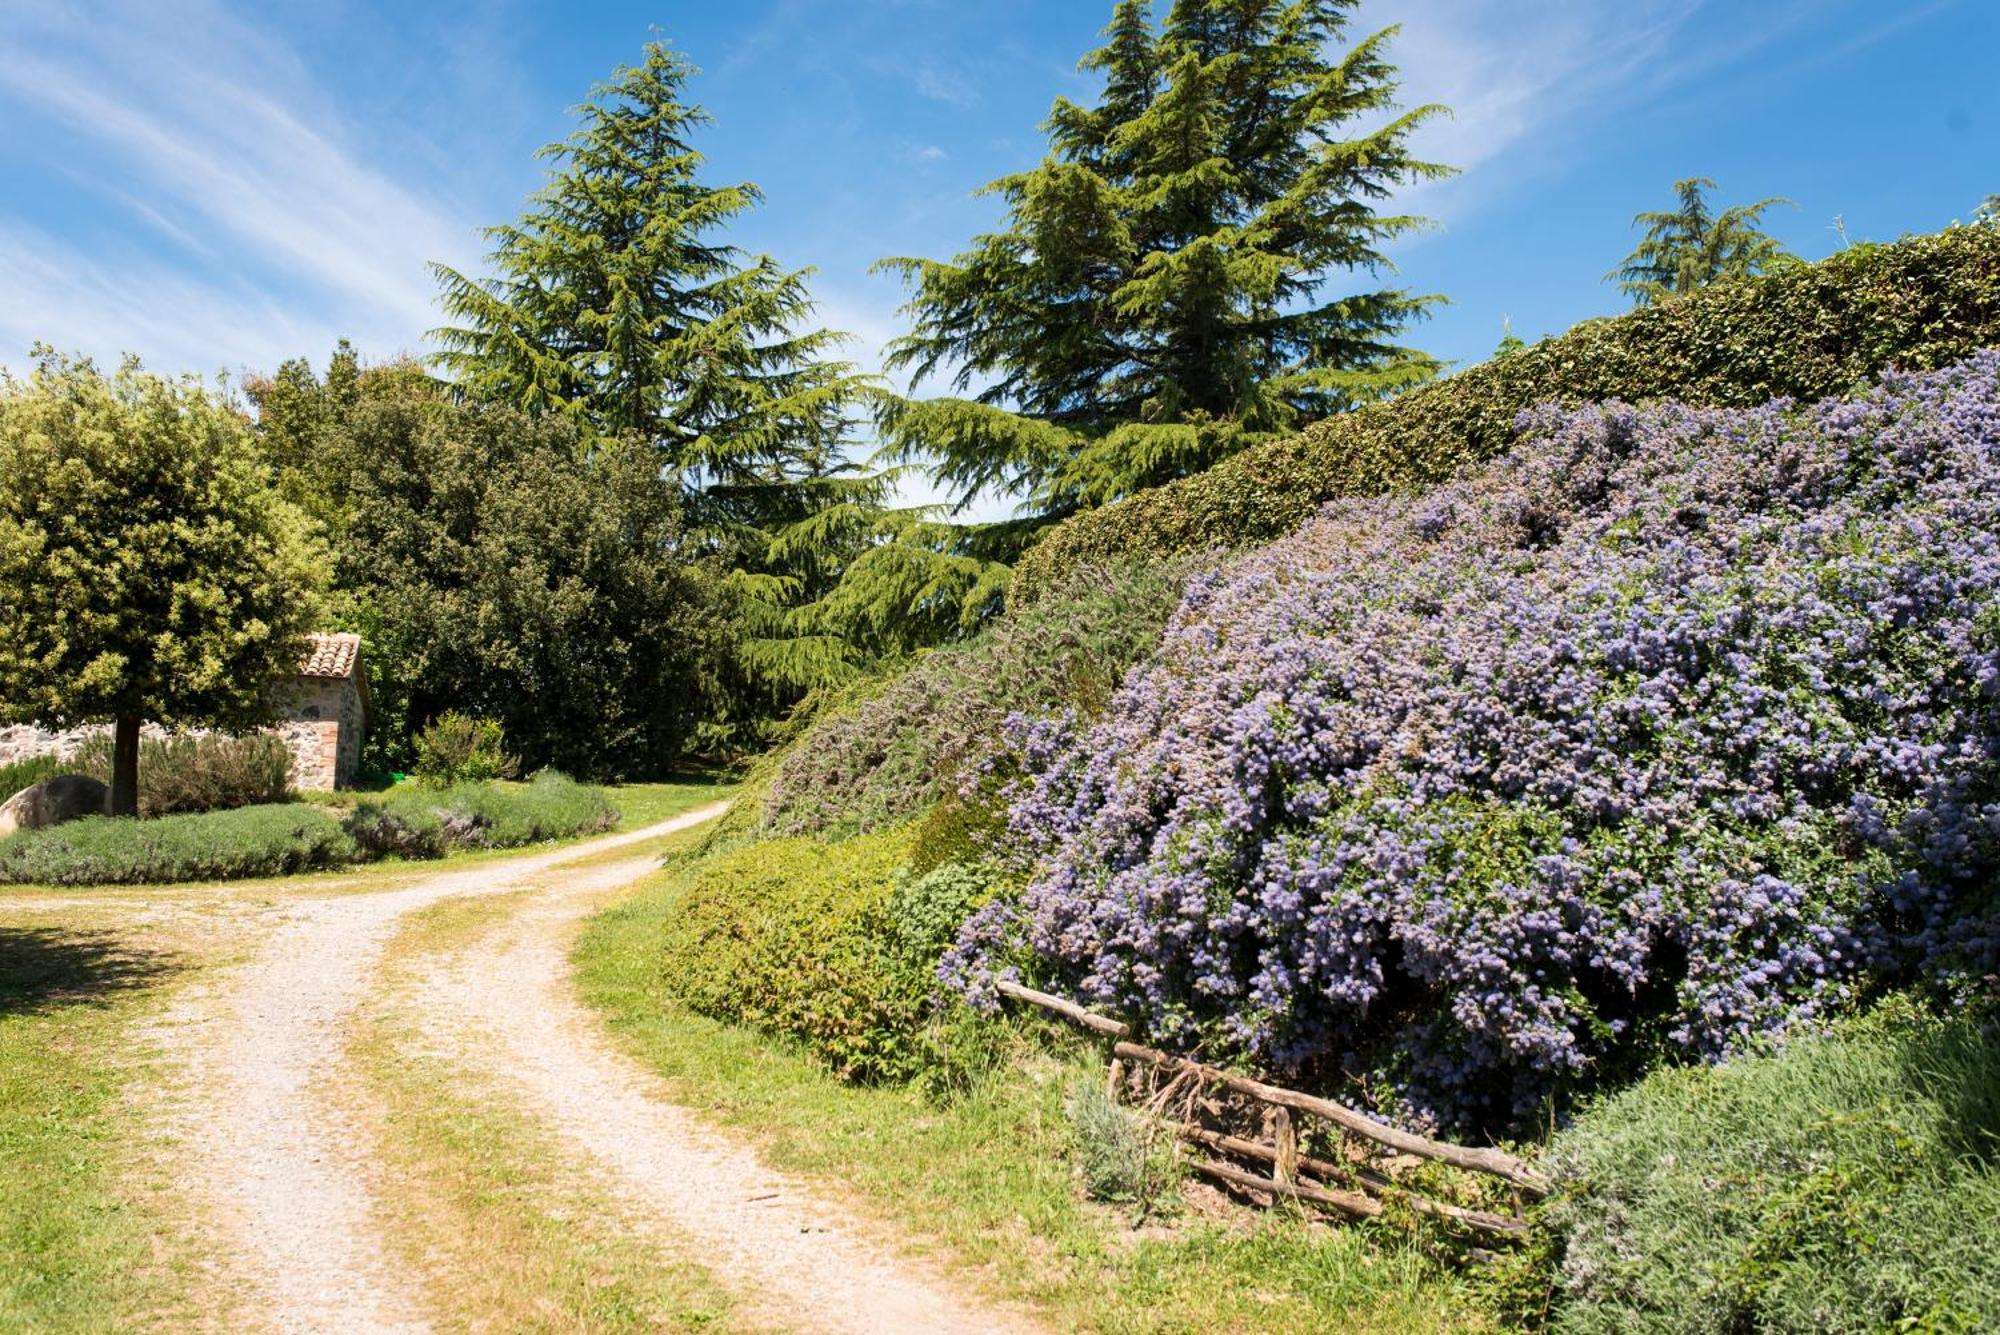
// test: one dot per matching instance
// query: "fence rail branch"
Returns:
(1497, 1162)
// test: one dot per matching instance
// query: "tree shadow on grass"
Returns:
(46, 968)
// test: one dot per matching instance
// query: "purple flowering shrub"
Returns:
(1672, 729)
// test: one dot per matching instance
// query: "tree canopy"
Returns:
(615, 303)
(506, 566)
(1165, 290)
(1691, 245)
(149, 571)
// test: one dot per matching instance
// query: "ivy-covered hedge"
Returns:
(1805, 333)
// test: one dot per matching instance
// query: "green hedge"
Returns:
(418, 821)
(280, 840)
(1847, 1183)
(833, 944)
(210, 846)
(1805, 333)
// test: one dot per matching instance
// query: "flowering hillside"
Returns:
(1672, 729)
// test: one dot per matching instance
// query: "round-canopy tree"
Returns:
(148, 569)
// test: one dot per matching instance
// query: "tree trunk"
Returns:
(125, 766)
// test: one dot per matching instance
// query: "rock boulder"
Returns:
(53, 801)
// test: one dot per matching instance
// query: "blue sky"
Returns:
(218, 185)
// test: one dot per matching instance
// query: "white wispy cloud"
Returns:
(215, 136)
(1526, 82)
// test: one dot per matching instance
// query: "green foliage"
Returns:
(613, 303)
(1689, 247)
(211, 846)
(1807, 331)
(1125, 1158)
(1159, 296)
(506, 567)
(828, 943)
(152, 570)
(180, 774)
(890, 755)
(1844, 1183)
(457, 748)
(27, 773)
(281, 840)
(418, 821)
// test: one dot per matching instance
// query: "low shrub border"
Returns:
(1805, 333)
(1842, 1183)
(209, 846)
(834, 944)
(288, 838)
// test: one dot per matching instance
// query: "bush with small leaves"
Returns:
(1676, 729)
(457, 748)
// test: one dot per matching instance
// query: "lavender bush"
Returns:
(1673, 729)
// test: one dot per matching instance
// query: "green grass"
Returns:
(76, 1253)
(986, 1180)
(643, 804)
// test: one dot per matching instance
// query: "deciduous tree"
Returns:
(149, 569)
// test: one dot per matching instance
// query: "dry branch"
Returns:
(1361, 1207)
(1373, 1183)
(1067, 1009)
(1497, 1162)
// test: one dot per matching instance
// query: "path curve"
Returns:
(276, 1157)
(794, 1256)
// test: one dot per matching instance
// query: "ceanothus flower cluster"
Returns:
(1673, 729)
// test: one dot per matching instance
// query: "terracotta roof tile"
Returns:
(330, 655)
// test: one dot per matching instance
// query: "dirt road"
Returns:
(279, 1164)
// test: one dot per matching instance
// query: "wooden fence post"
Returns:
(1286, 1167)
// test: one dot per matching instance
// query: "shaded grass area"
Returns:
(985, 1179)
(478, 1201)
(76, 1254)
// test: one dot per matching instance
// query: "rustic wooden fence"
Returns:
(1355, 1186)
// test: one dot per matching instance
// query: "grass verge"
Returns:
(643, 804)
(83, 1246)
(984, 1182)
(479, 1202)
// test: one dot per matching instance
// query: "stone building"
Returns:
(329, 715)
(324, 719)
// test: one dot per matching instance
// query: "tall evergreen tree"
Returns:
(1691, 245)
(1164, 291)
(614, 300)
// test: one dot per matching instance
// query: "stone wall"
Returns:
(323, 730)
